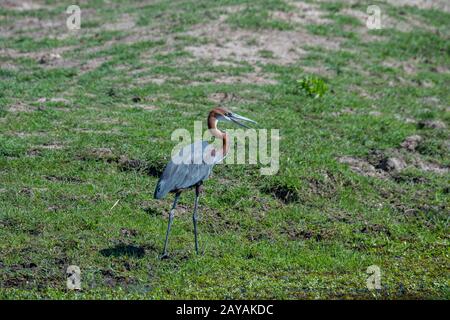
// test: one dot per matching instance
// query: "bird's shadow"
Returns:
(123, 250)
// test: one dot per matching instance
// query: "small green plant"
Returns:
(313, 86)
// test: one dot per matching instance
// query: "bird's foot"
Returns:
(164, 256)
(200, 252)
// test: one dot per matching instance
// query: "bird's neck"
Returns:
(212, 126)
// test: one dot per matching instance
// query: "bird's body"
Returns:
(186, 170)
(193, 164)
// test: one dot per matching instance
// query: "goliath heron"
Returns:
(193, 164)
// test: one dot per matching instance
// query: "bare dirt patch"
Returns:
(441, 69)
(152, 79)
(295, 233)
(319, 70)
(92, 64)
(229, 44)
(21, 107)
(51, 146)
(250, 78)
(128, 232)
(432, 124)
(111, 121)
(66, 179)
(24, 5)
(125, 22)
(390, 162)
(303, 13)
(93, 131)
(54, 58)
(223, 97)
(36, 27)
(409, 67)
(405, 119)
(147, 107)
(407, 25)
(22, 134)
(31, 26)
(362, 167)
(98, 154)
(36, 151)
(47, 58)
(411, 143)
(410, 24)
(423, 4)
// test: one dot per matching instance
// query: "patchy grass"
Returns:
(257, 19)
(86, 118)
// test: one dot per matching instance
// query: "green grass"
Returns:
(310, 231)
(255, 19)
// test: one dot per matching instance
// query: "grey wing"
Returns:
(186, 174)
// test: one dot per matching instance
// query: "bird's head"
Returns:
(223, 114)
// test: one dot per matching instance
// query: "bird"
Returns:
(193, 164)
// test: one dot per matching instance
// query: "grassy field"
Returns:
(86, 118)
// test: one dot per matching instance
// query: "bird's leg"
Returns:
(194, 216)
(171, 214)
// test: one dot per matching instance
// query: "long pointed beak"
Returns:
(237, 118)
